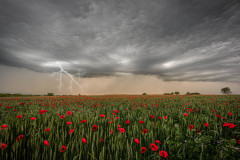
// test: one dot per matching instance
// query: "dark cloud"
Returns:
(178, 40)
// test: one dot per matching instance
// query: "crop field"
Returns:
(120, 127)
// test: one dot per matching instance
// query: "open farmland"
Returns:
(120, 127)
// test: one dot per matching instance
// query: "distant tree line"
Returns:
(194, 93)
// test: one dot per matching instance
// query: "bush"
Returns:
(50, 94)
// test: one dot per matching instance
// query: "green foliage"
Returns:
(50, 94)
(177, 93)
(212, 142)
(226, 90)
(166, 93)
(194, 93)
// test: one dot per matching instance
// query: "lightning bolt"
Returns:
(69, 75)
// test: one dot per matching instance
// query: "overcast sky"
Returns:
(190, 41)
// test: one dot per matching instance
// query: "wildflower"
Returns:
(84, 140)
(206, 124)
(83, 121)
(151, 116)
(122, 130)
(47, 130)
(157, 141)
(144, 149)
(163, 153)
(69, 113)
(4, 126)
(154, 147)
(20, 116)
(68, 123)
(141, 122)
(3, 146)
(71, 131)
(62, 117)
(46, 142)
(33, 118)
(63, 148)
(190, 127)
(102, 115)
(127, 121)
(136, 141)
(144, 131)
(95, 127)
(20, 137)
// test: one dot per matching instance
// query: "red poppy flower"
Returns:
(111, 131)
(117, 117)
(33, 118)
(198, 131)
(127, 121)
(154, 147)
(19, 138)
(151, 116)
(101, 140)
(144, 131)
(159, 117)
(41, 111)
(229, 113)
(185, 114)
(68, 123)
(84, 140)
(119, 126)
(46, 142)
(238, 141)
(4, 126)
(141, 122)
(206, 124)
(157, 141)
(20, 116)
(190, 127)
(102, 115)
(69, 113)
(62, 117)
(231, 125)
(47, 130)
(63, 148)
(95, 127)
(71, 131)
(83, 121)
(144, 149)
(165, 117)
(136, 141)
(122, 130)
(3, 146)
(163, 153)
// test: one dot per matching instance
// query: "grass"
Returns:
(213, 142)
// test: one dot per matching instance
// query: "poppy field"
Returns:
(120, 127)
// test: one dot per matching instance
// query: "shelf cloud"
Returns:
(178, 40)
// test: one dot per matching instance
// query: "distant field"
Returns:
(120, 127)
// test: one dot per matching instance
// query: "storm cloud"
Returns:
(175, 40)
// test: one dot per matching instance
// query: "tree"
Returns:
(50, 94)
(144, 94)
(177, 93)
(172, 93)
(226, 90)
